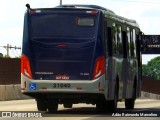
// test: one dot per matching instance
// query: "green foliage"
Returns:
(144, 70)
(1, 55)
(152, 69)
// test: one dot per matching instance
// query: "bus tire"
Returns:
(101, 107)
(129, 103)
(112, 104)
(52, 106)
(67, 105)
(41, 105)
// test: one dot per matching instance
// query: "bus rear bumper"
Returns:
(30, 86)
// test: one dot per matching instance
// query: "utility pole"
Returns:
(60, 2)
(9, 47)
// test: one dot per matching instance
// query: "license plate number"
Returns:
(61, 85)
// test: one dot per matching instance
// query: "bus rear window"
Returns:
(62, 25)
(85, 21)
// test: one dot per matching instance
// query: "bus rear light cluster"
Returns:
(92, 12)
(25, 67)
(44, 88)
(79, 88)
(99, 68)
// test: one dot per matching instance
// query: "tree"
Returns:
(144, 70)
(1, 55)
(152, 69)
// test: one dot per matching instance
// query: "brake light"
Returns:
(62, 45)
(25, 67)
(99, 68)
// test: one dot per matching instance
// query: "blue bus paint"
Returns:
(50, 58)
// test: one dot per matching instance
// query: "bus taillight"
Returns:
(25, 67)
(99, 68)
(92, 12)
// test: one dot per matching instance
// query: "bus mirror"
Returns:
(28, 6)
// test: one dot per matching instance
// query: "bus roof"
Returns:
(121, 19)
(108, 13)
(85, 6)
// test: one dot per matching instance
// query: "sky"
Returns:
(145, 12)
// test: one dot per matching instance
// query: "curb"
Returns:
(12, 92)
(2, 92)
(149, 95)
(17, 90)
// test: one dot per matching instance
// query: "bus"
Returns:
(80, 54)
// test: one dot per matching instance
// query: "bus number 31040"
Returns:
(61, 85)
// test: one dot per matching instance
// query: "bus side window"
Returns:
(109, 37)
(131, 43)
(138, 50)
(128, 42)
(134, 43)
(119, 40)
(124, 37)
(114, 38)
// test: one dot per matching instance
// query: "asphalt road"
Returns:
(143, 107)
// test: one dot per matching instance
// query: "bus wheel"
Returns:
(129, 103)
(112, 104)
(67, 105)
(41, 105)
(101, 107)
(52, 106)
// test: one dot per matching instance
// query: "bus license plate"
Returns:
(61, 85)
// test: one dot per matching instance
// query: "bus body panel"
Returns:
(61, 89)
(63, 57)
(54, 53)
(96, 86)
(51, 62)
